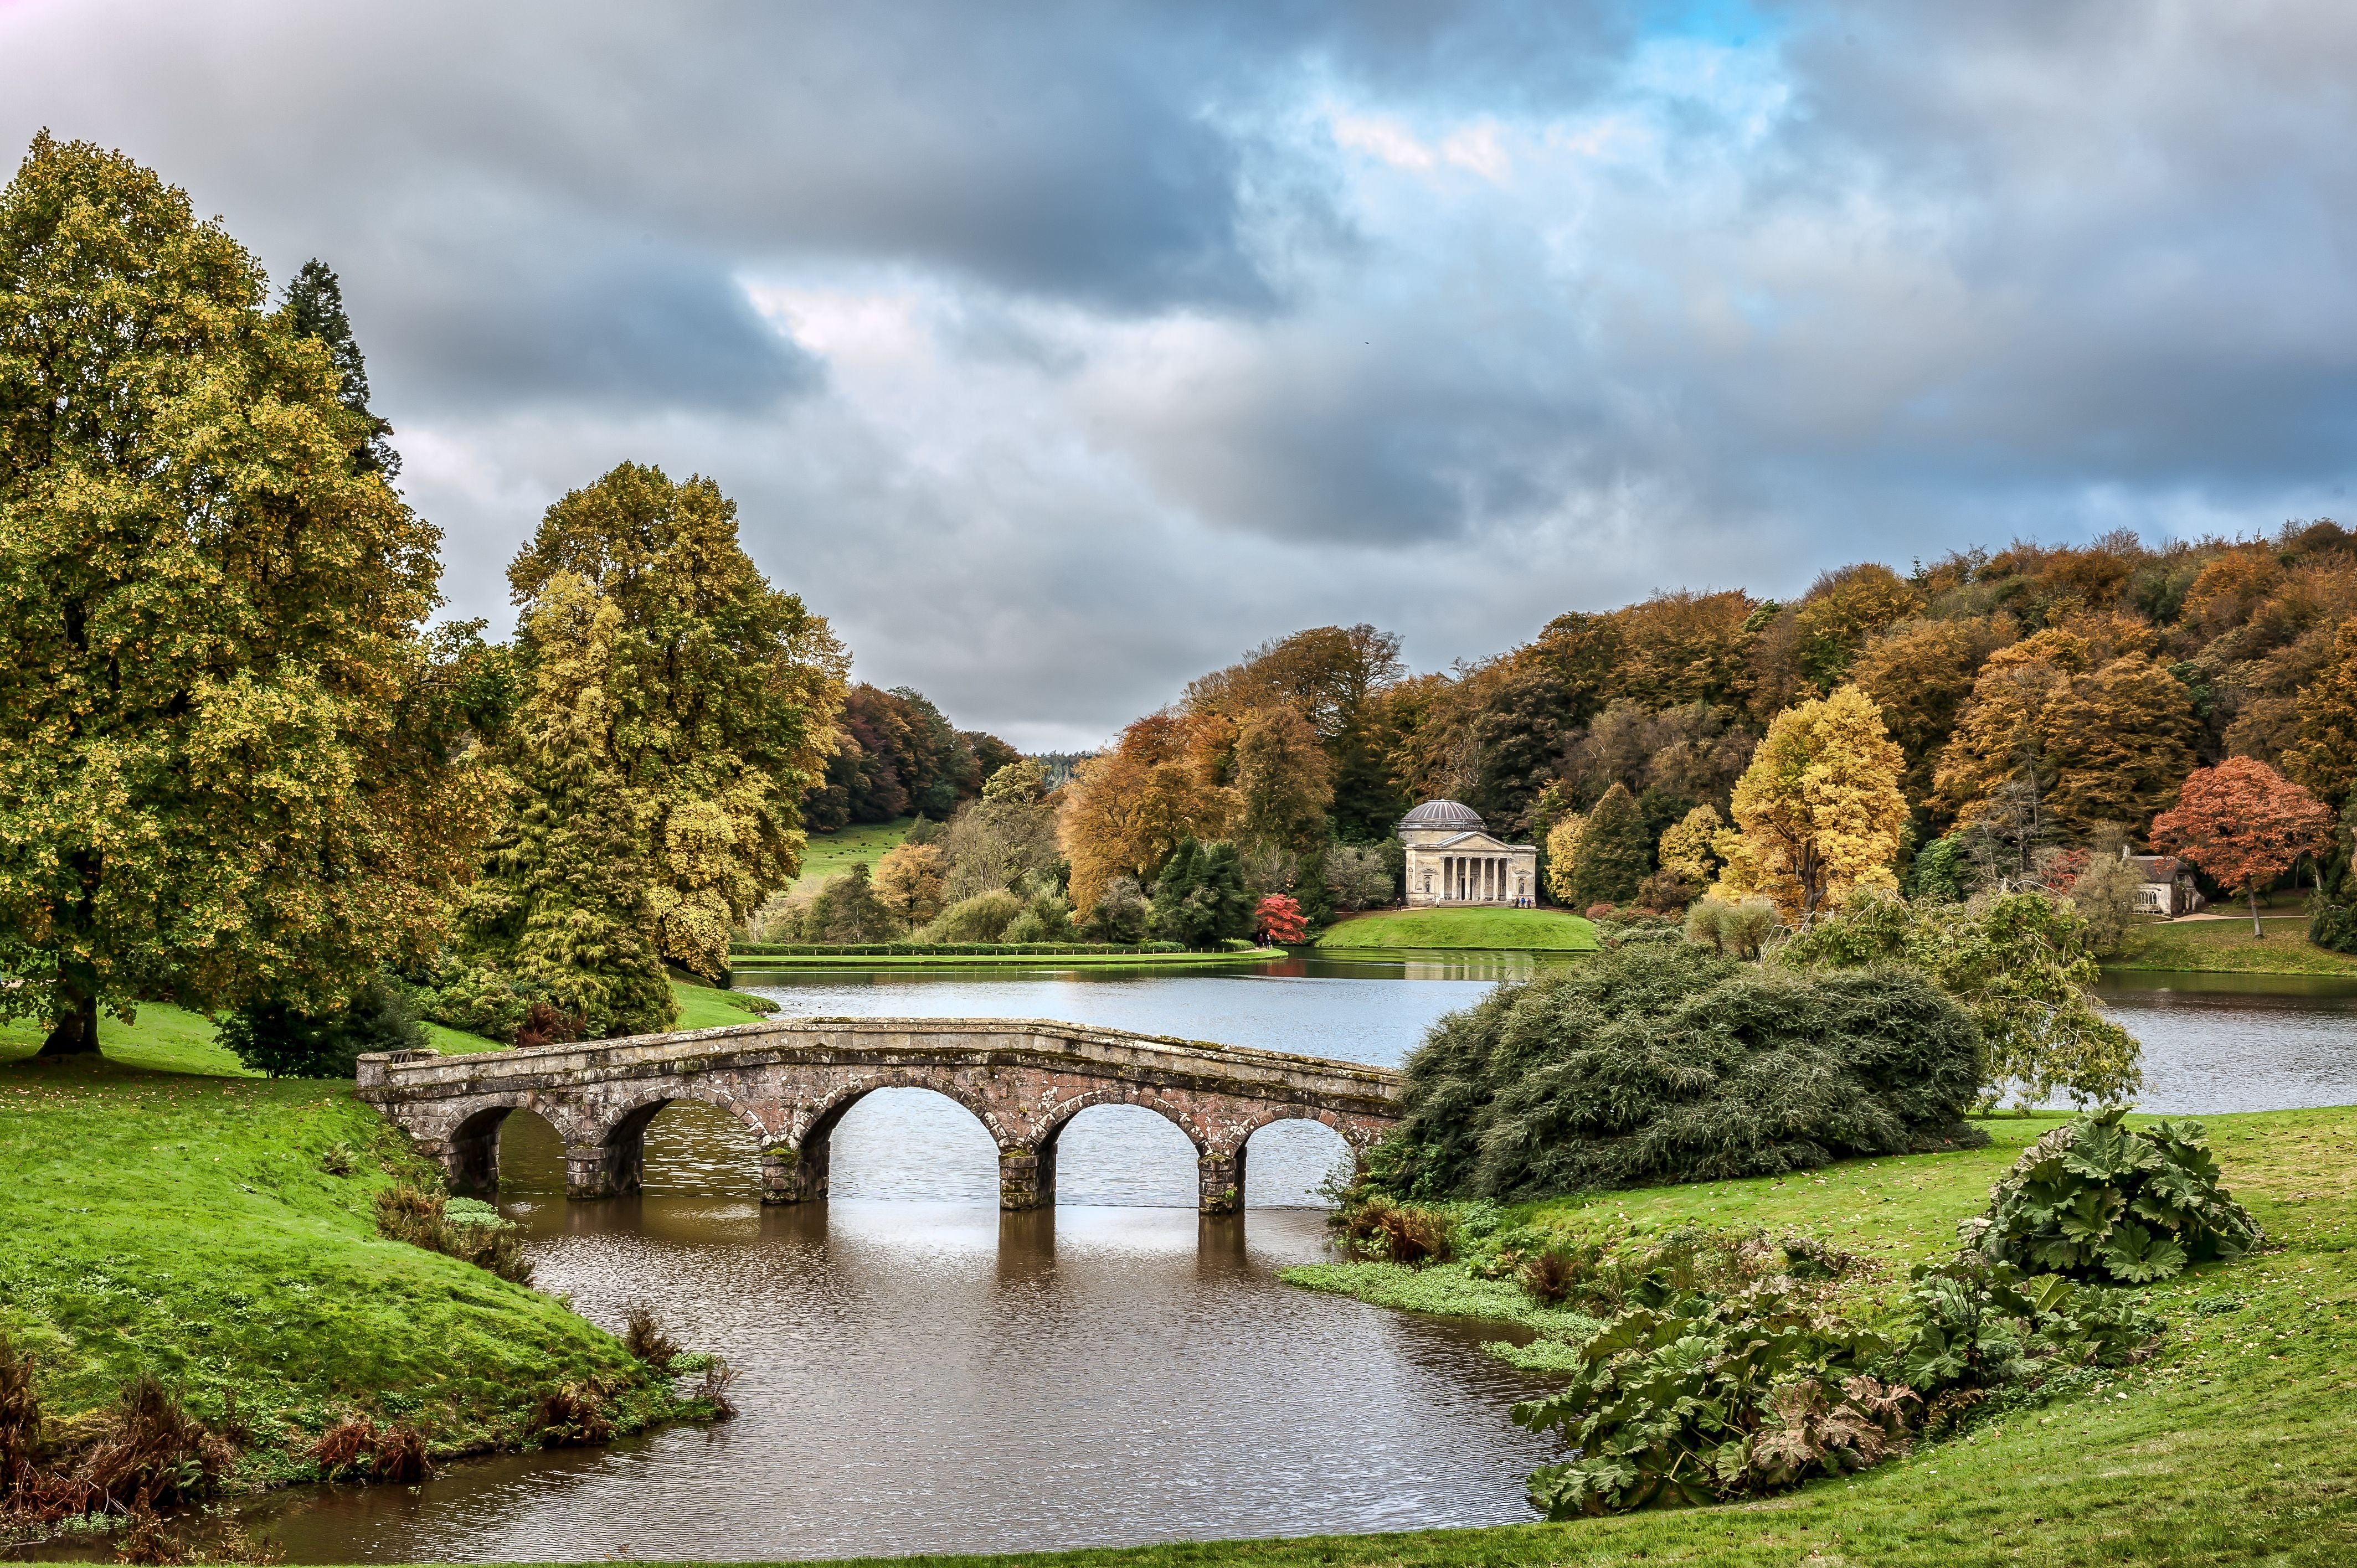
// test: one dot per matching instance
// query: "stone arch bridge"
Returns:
(789, 1081)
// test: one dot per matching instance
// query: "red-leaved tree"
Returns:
(2245, 824)
(1281, 921)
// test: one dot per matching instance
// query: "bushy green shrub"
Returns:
(981, 918)
(1661, 1062)
(1046, 917)
(286, 1041)
(1121, 916)
(2097, 1200)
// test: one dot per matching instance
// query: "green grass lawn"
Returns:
(845, 847)
(1548, 929)
(182, 1221)
(2228, 947)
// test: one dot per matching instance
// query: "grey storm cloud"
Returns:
(1060, 352)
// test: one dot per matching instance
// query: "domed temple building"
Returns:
(1453, 859)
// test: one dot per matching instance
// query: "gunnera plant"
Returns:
(2097, 1200)
(1660, 1062)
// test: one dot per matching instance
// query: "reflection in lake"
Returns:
(931, 1376)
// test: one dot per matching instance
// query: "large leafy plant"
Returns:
(1688, 1399)
(1691, 1398)
(2096, 1200)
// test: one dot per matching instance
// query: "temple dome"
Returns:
(1445, 816)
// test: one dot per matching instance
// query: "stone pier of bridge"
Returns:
(790, 1081)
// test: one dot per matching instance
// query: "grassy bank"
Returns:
(1537, 930)
(831, 854)
(185, 1223)
(2227, 947)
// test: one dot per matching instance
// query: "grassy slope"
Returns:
(180, 1222)
(2237, 1445)
(2227, 946)
(163, 1209)
(1483, 929)
(845, 847)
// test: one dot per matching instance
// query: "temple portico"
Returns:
(1453, 859)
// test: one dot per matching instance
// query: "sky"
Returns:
(1058, 353)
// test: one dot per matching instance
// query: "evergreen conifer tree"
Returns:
(1615, 853)
(1200, 898)
(315, 308)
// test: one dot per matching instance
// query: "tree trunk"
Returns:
(2257, 934)
(74, 1031)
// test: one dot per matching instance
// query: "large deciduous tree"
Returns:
(719, 693)
(2243, 824)
(2089, 738)
(1126, 811)
(1284, 781)
(226, 768)
(2325, 759)
(1818, 812)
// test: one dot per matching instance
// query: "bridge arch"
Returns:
(791, 1079)
(1050, 1146)
(1292, 1154)
(800, 1169)
(617, 1146)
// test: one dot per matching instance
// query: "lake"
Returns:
(922, 1373)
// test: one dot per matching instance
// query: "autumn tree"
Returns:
(2091, 741)
(1126, 811)
(1021, 782)
(721, 693)
(1614, 854)
(1921, 675)
(2326, 757)
(1687, 846)
(1279, 920)
(227, 769)
(909, 880)
(1841, 611)
(1818, 812)
(1284, 781)
(1563, 858)
(2243, 824)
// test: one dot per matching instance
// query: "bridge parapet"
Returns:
(790, 1080)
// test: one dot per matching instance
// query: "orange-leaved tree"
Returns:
(1280, 921)
(2243, 824)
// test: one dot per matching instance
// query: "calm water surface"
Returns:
(924, 1374)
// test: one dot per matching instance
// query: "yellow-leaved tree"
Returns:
(1563, 854)
(1818, 812)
